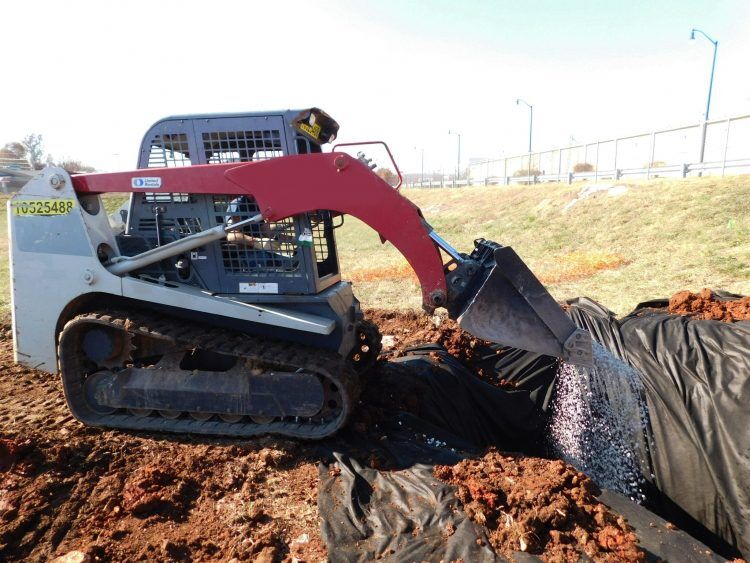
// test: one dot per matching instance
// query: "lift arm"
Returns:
(292, 185)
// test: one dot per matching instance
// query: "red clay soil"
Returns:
(706, 306)
(539, 506)
(410, 328)
(404, 329)
(115, 496)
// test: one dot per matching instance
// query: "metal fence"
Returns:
(665, 152)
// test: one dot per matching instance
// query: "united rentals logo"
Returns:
(151, 182)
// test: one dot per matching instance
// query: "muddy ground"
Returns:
(106, 495)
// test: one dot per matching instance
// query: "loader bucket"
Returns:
(513, 308)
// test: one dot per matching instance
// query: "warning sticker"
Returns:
(259, 288)
(146, 182)
(312, 130)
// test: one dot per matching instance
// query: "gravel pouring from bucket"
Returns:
(513, 308)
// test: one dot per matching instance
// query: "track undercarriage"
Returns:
(142, 371)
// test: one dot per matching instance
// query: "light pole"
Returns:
(458, 161)
(421, 177)
(531, 124)
(710, 87)
(531, 118)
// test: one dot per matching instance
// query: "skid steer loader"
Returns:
(217, 306)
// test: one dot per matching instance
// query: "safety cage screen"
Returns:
(241, 146)
(262, 249)
(271, 248)
(169, 151)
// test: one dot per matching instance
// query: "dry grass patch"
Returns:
(579, 265)
(386, 273)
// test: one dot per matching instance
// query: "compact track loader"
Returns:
(217, 305)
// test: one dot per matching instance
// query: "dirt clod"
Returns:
(540, 506)
(154, 490)
(706, 306)
(410, 328)
(73, 557)
(449, 530)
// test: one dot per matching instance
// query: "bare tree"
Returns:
(34, 150)
(13, 150)
(75, 166)
(388, 175)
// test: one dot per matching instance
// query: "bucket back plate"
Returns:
(513, 308)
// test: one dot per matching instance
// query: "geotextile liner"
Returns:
(696, 375)
(394, 508)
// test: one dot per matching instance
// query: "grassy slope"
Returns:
(659, 237)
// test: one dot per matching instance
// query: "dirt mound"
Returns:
(159, 500)
(539, 506)
(706, 306)
(402, 329)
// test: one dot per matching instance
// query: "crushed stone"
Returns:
(599, 423)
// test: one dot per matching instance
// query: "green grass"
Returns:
(659, 237)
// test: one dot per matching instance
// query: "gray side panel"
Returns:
(46, 275)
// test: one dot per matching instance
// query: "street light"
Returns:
(421, 178)
(458, 162)
(710, 86)
(531, 118)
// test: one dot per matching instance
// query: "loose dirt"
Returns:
(705, 305)
(539, 506)
(123, 496)
(404, 329)
(107, 495)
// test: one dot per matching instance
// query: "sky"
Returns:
(92, 77)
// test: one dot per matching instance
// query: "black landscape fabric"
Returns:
(393, 509)
(696, 375)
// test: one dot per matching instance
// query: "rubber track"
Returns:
(273, 354)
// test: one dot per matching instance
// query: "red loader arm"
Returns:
(293, 185)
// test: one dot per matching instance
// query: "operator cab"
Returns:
(296, 255)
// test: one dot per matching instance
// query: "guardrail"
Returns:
(739, 166)
(451, 183)
(671, 152)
